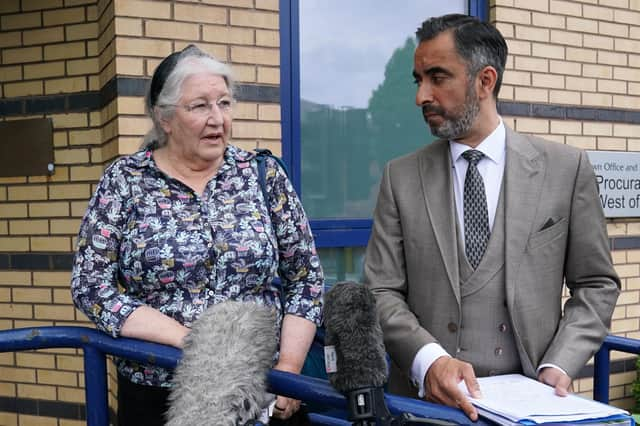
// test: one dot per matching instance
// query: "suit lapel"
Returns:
(435, 177)
(524, 176)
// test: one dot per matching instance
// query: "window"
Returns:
(347, 98)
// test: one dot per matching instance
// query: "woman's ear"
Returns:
(164, 122)
(487, 77)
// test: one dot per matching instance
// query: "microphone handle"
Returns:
(367, 407)
(407, 419)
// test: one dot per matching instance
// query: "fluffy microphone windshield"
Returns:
(222, 377)
(352, 327)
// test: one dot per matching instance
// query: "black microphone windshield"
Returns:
(352, 327)
(222, 377)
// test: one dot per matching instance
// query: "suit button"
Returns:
(498, 351)
(492, 372)
(452, 327)
(502, 327)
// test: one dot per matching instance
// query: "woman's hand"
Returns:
(285, 407)
(296, 337)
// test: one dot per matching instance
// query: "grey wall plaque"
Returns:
(618, 177)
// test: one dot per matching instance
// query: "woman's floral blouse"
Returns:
(178, 252)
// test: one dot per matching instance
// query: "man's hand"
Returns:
(441, 384)
(556, 378)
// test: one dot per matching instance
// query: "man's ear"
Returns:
(487, 78)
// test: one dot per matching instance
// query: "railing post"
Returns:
(601, 374)
(95, 373)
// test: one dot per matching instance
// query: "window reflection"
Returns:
(342, 264)
(357, 106)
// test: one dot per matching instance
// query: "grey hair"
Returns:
(191, 61)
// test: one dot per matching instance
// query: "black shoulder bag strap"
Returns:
(261, 156)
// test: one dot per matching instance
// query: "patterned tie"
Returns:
(476, 216)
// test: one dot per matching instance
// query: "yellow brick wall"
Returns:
(46, 48)
(571, 52)
(581, 53)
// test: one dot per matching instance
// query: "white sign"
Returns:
(618, 177)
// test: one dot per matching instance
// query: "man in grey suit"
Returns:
(474, 236)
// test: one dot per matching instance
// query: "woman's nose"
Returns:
(215, 116)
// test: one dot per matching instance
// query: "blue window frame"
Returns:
(329, 233)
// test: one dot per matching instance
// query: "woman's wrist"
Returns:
(289, 367)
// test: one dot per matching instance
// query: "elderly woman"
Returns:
(183, 224)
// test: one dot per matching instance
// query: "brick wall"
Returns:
(89, 61)
(48, 51)
(581, 56)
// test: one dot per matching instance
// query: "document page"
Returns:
(519, 398)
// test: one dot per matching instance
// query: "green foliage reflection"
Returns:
(344, 149)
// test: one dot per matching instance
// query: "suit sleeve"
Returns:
(589, 274)
(385, 275)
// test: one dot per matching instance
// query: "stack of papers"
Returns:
(514, 399)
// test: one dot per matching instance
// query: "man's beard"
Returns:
(455, 124)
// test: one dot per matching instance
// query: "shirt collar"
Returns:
(232, 155)
(493, 146)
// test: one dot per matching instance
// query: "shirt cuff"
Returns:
(549, 365)
(426, 356)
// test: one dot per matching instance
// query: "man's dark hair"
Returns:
(478, 43)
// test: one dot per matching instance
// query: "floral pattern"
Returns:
(178, 252)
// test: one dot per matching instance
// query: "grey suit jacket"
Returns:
(555, 233)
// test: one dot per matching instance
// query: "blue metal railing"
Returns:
(96, 345)
(601, 363)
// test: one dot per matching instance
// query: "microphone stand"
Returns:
(367, 407)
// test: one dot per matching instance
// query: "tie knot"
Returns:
(473, 156)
